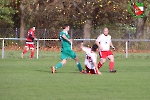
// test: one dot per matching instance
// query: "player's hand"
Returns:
(114, 48)
(99, 73)
(70, 40)
(81, 45)
(35, 39)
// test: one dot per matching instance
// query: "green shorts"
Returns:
(68, 54)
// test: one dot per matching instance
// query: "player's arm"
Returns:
(31, 37)
(84, 48)
(112, 45)
(98, 43)
(95, 65)
(64, 36)
(99, 46)
(94, 60)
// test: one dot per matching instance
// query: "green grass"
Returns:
(26, 79)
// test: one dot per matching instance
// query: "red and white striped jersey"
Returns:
(30, 35)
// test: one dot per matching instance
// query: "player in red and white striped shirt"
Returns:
(29, 43)
(104, 42)
(91, 59)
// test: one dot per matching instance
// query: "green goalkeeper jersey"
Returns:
(65, 43)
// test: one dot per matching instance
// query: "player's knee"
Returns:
(32, 49)
(111, 59)
(64, 62)
(76, 60)
(27, 48)
(103, 61)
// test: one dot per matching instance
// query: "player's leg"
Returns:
(111, 62)
(72, 54)
(60, 64)
(79, 65)
(31, 46)
(102, 56)
(32, 53)
(102, 61)
(87, 70)
(26, 48)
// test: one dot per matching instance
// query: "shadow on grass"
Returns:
(75, 72)
(46, 71)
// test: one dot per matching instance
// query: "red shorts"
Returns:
(91, 71)
(105, 54)
(30, 45)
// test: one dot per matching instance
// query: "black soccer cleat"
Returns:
(112, 71)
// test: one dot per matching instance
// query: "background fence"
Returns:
(47, 40)
(117, 34)
(123, 45)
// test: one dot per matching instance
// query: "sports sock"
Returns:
(79, 66)
(24, 51)
(58, 65)
(32, 54)
(111, 65)
(99, 65)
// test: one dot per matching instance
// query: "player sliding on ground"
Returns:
(91, 59)
(66, 51)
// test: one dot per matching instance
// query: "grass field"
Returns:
(26, 79)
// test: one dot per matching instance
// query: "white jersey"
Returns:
(90, 58)
(104, 41)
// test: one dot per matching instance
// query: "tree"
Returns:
(6, 13)
(141, 23)
(22, 22)
(100, 12)
(80, 14)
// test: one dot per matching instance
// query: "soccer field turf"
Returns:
(26, 79)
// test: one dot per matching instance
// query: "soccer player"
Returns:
(29, 43)
(91, 59)
(66, 51)
(104, 42)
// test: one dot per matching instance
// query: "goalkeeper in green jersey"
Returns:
(66, 51)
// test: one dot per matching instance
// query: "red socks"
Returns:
(32, 54)
(111, 65)
(99, 65)
(24, 51)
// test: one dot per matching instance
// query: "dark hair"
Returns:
(94, 47)
(65, 25)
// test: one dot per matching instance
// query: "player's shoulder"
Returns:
(93, 54)
(86, 49)
(101, 35)
(109, 36)
(30, 31)
(61, 33)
